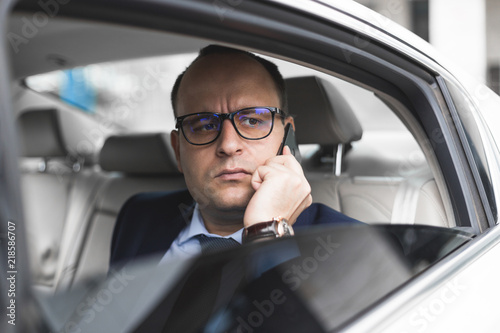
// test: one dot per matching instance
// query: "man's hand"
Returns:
(281, 189)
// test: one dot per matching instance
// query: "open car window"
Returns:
(131, 95)
(384, 175)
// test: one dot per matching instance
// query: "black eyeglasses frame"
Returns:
(230, 116)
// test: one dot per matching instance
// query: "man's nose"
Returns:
(229, 141)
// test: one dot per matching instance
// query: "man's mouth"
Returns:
(233, 174)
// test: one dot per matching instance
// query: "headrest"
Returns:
(40, 133)
(145, 153)
(321, 113)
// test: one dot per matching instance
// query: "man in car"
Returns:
(230, 109)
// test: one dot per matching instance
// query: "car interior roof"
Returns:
(67, 43)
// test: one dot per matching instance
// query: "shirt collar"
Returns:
(197, 227)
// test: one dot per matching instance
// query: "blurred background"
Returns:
(465, 31)
(135, 94)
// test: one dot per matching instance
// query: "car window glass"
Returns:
(318, 280)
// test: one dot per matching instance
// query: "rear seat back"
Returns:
(321, 113)
(324, 117)
(44, 175)
(71, 207)
(133, 163)
(56, 185)
(410, 200)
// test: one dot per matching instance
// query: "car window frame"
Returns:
(327, 46)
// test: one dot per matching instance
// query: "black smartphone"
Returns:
(289, 140)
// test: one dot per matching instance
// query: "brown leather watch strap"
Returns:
(277, 227)
(259, 231)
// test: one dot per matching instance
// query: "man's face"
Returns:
(218, 174)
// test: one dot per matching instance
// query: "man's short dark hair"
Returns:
(271, 68)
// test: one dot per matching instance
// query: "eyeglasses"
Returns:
(253, 123)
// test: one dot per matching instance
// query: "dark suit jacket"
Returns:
(150, 222)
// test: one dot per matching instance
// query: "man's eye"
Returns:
(205, 127)
(209, 127)
(251, 122)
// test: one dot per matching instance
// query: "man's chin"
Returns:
(224, 198)
(227, 206)
(232, 204)
(232, 200)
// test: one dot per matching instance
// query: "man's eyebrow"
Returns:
(205, 110)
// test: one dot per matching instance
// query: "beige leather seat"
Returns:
(132, 164)
(70, 206)
(324, 117)
(56, 188)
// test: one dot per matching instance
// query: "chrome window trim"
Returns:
(491, 157)
(373, 25)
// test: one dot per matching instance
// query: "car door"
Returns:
(339, 42)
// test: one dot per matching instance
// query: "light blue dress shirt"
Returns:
(186, 245)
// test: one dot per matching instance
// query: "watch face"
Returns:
(281, 229)
(284, 229)
(287, 229)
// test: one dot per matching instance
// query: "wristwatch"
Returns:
(276, 228)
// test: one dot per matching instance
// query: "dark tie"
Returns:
(213, 244)
(194, 304)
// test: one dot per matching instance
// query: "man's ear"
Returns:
(289, 120)
(174, 141)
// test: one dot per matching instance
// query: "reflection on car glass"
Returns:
(321, 278)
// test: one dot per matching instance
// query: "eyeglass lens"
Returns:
(255, 123)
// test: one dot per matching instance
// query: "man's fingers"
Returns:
(281, 189)
(287, 151)
(287, 160)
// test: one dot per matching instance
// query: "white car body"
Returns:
(457, 294)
